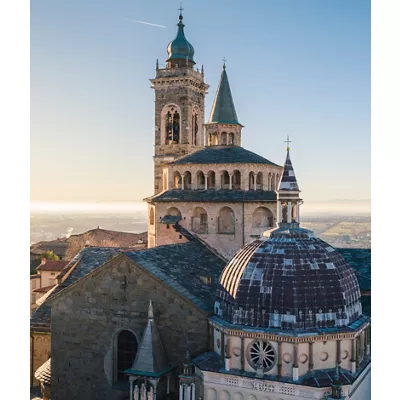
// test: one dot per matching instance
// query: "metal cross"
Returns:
(287, 141)
(181, 9)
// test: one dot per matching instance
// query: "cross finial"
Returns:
(287, 141)
(180, 11)
(224, 60)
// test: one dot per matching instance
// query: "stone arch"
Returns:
(252, 397)
(171, 124)
(187, 180)
(125, 346)
(251, 180)
(236, 179)
(199, 220)
(212, 139)
(262, 218)
(259, 181)
(237, 396)
(226, 220)
(224, 138)
(151, 216)
(224, 395)
(177, 180)
(211, 394)
(200, 180)
(225, 180)
(211, 180)
(174, 211)
(231, 139)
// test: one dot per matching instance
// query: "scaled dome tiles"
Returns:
(291, 280)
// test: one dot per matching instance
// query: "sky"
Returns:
(296, 67)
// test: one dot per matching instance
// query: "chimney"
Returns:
(43, 261)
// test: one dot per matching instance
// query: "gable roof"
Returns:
(52, 265)
(84, 262)
(222, 155)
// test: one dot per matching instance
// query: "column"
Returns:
(295, 372)
(155, 392)
(367, 349)
(353, 355)
(358, 342)
(310, 356)
(230, 181)
(338, 352)
(181, 392)
(279, 360)
(289, 212)
(222, 346)
(183, 181)
(168, 377)
(193, 385)
(298, 212)
(130, 388)
(187, 392)
(242, 365)
(205, 182)
(228, 353)
(279, 212)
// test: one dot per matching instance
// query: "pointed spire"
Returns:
(288, 180)
(157, 64)
(223, 109)
(151, 357)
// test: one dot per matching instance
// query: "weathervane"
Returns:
(287, 141)
(180, 11)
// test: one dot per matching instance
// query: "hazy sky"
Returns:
(296, 67)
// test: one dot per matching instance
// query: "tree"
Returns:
(49, 255)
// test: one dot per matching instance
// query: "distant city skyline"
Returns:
(297, 68)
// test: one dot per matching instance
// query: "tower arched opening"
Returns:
(187, 180)
(226, 220)
(211, 180)
(200, 180)
(236, 179)
(225, 180)
(224, 138)
(251, 181)
(177, 180)
(199, 220)
(174, 212)
(262, 218)
(259, 181)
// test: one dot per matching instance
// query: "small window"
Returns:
(52, 273)
(126, 353)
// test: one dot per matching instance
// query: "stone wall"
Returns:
(40, 348)
(87, 320)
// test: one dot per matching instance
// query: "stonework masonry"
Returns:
(87, 319)
(40, 352)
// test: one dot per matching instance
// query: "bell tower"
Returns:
(179, 105)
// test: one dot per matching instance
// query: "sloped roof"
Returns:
(214, 196)
(223, 155)
(52, 265)
(180, 267)
(288, 180)
(84, 262)
(223, 110)
(43, 373)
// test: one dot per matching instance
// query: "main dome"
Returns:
(180, 48)
(288, 280)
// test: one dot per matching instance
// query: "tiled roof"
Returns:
(223, 110)
(43, 373)
(288, 179)
(52, 265)
(223, 155)
(170, 219)
(289, 280)
(180, 266)
(84, 262)
(212, 362)
(44, 289)
(35, 276)
(214, 196)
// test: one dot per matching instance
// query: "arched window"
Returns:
(152, 216)
(273, 182)
(262, 218)
(269, 181)
(174, 211)
(200, 180)
(284, 213)
(236, 179)
(187, 180)
(224, 180)
(251, 181)
(195, 129)
(177, 180)
(224, 138)
(126, 352)
(211, 180)
(231, 138)
(259, 181)
(199, 220)
(215, 139)
(226, 220)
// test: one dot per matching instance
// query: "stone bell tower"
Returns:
(179, 105)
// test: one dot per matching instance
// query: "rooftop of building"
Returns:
(214, 196)
(52, 265)
(225, 154)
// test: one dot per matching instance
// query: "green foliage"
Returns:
(49, 255)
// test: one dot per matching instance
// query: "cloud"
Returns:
(147, 23)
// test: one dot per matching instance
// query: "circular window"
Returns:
(324, 356)
(287, 358)
(303, 358)
(344, 354)
(261, 353)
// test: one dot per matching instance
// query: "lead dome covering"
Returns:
(289, 280)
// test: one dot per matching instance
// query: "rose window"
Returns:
(262, 354)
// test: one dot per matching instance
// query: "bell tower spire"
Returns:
(223, 127)
(288, 195)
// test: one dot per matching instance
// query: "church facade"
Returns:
(232, 300)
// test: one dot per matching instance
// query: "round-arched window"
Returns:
(261, 353)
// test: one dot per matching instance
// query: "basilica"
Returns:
(233, 299)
